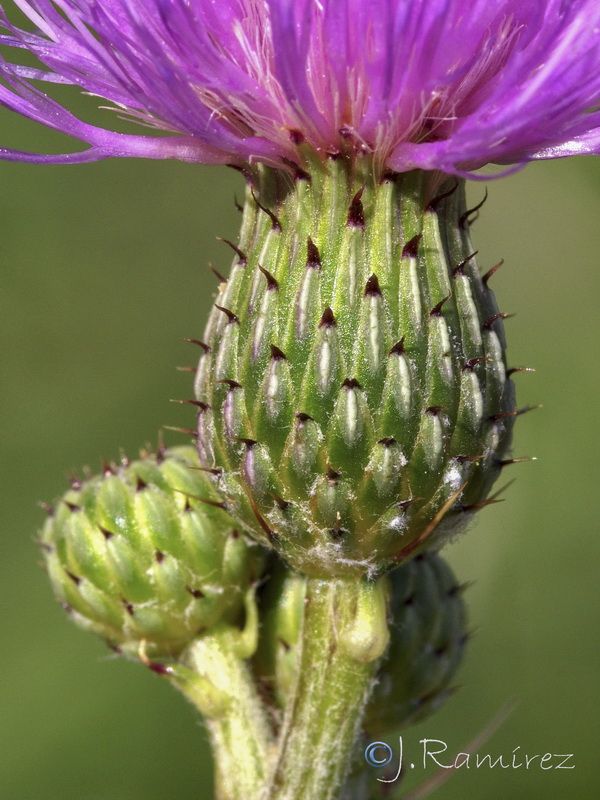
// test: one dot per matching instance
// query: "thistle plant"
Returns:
(354, 402)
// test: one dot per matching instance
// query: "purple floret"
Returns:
(435, 84)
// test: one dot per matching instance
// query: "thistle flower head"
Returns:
(142, 556)
(433, 84)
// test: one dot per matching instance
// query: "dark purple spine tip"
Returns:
(216, 273)
(302, 417)
(508, 461)
(108, 535)
(160, 669)
(217, 471)
(159, 556)
(230, 383)
(485, 278)
(351, 383)
(198, 403)
(231, 317)
(243, 260)
(128, 606)
(356, 212)
(332, 474)
(108, 469)
(280, 502)
(470, 365)
(404, 504)
(214, 503)
(275, 223)
(327, 320)
(188, 506)
(433, 411)
(140, 484)
(313, 257)
(372, 287)
(277, 354)
(234, 534)
(478, 506)
(196, 593)
(301, 175)
(387, 441)
(439, 199)
(487, 325)
(398, 349)
(272, 284)
(75, 483)
(338, 531)
(46, 507)
(198, 342)
(247, 175)
(72, 506)
(411, 248)
(389, 177)
(75, 578)
(250, 443)
(238, 205)
(185, 431)
(464, 220)
(436, 311)
(502, 415)
(459, 269)
(464, 459)
(296, 136)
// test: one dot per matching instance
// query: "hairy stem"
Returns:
(344, 632)
(235, 716)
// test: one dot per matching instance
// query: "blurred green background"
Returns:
(104, 269)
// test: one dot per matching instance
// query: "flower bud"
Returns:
(428, 634)
(353, 385)
(144, 555)
(281, 605)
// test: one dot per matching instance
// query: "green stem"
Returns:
(344, 632)
(223, 690)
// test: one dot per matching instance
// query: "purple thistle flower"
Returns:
(433, 84)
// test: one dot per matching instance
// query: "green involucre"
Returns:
(354, 392)
(138, 556)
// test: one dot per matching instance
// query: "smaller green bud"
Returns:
(428, 633)
(281, 610)
(146, 557)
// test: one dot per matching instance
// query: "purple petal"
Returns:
(431, 84)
